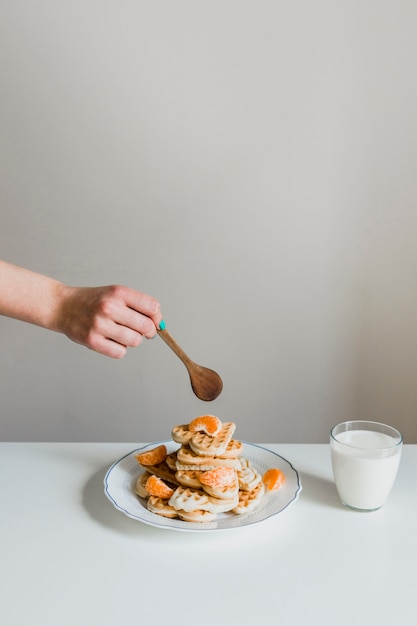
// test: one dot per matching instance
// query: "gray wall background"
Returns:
(250, 164)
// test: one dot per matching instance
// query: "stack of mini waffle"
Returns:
(207, 474)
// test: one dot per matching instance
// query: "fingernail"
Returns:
(162, 325)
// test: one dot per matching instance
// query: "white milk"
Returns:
(365, 465)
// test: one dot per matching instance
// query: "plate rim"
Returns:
(198, 527)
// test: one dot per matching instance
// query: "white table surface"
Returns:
(69, 558)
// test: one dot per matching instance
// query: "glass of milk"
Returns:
(365, 459)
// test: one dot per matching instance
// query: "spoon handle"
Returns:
(170, 341)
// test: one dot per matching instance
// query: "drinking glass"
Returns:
(365, 459)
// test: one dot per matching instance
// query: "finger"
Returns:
(135, 321)
(107, 347)
(113, 339)
(144, 304)
(124, 335)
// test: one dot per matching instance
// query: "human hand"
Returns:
(107, 319)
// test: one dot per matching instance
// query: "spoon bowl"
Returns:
(205, 383)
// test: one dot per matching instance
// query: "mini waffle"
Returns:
(161, 507)
(221, 483)
(248, 477)
(171, 461)
(187, 499)
(187, 459)
(249, 500)
(140, 489)
(234, 449)
(222, 493)
(189, 478)
(181, 434)
(197, 516)
(213, 446)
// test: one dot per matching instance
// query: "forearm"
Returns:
(106, 319)
(28, 296)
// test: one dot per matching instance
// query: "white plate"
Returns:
(121, 477)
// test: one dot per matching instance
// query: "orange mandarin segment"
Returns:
(273, 479)
(152, 457)
(218, 477)
(209, 424)
(155, 486)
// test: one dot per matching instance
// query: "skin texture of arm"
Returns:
(106, 319)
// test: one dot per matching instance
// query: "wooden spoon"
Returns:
(206, 383)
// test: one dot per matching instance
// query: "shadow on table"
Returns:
(320, 490)
(102, 511)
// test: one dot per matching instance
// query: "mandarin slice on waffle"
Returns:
(152, 457)
(220, 482)
(155, 486)
(219, 477)
(223, 493)
(273, 479)
(208, 424)
(206, 445)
